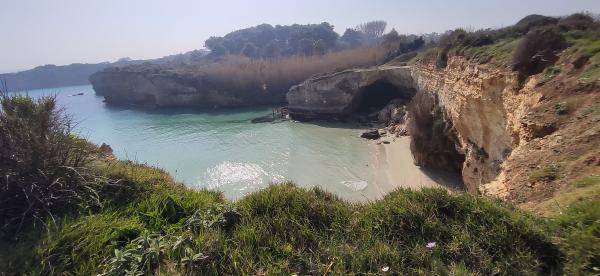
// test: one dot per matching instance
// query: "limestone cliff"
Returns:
(504, 129)
(485, 105)
(182, 86)
(343, 93)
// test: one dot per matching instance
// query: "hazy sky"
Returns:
(36, 32)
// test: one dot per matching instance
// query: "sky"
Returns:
(38, 32)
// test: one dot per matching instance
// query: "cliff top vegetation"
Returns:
(529, 47)
(121, 218)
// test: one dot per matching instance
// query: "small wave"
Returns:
(237, 175)
(355, 185)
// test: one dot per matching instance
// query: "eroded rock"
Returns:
(183, 86)
(372, 134)
(344, 93)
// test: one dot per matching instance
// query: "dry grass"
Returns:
(240, 73)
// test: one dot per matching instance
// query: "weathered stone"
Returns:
(340, 94)
(372, 134)
(156, 86)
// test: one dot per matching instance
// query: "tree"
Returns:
(319, 47)
(374, 29)
(271, 50)
(305, 46)
(353, 38)
(391, 38)
(215, 44)
(250, 50)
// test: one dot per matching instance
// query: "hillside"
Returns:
(514, 110)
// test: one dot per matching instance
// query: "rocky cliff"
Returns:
(500, 131)
(485, 106)
(347, 92)
(178, 86)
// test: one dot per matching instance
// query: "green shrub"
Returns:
(42, 163)
(537, 50)
(561, 108)
(546, 174)
(553, 70)
(577, 21)
(532, 21)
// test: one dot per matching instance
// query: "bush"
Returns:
(538, 49)
(532, 21)
(546, 174)
(561, 108)
(41, 163)
(577, 21)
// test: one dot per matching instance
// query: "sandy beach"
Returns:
(395, 169)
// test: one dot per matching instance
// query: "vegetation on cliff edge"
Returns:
(528, 47)
(146, 223)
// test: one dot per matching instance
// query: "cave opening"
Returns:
(377, 95)
(434, 141)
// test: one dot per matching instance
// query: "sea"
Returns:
(223, 149)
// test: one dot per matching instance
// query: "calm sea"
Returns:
(223, 150)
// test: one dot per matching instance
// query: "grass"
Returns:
(587, 181)
(148, 224)
(546, 174)
(578, 234)
(586, 44)
(240, 73)
(498, 54)
(582, 190)
(284, 229)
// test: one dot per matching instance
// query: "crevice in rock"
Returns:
(434, 142)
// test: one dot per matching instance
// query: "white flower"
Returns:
(430, 245)
(385, 268)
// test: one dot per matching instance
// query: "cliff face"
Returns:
(343, 93)
(498, 132)
(527, 143)
(485, 106)
(178, 87)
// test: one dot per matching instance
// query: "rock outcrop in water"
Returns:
(178, 86)
(344, 93)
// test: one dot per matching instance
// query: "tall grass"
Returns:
(240, 73)
(42, 164)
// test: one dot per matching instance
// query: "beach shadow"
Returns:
(450, 180)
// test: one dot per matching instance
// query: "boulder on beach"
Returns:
(372, 134)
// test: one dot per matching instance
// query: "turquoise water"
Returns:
(223, 150)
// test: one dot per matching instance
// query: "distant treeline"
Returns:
(267, 41)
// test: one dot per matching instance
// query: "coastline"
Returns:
(396, 169)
